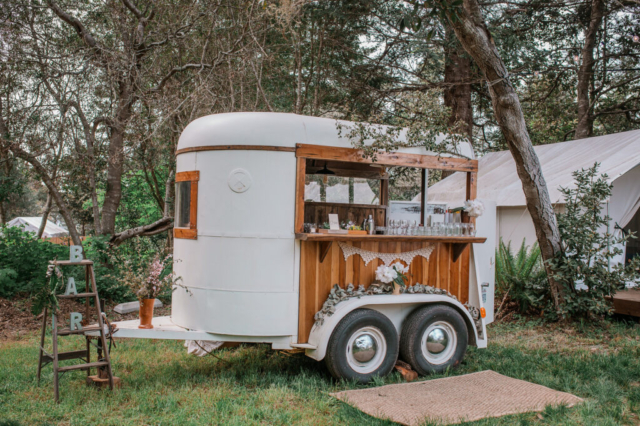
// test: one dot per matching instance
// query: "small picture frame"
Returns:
(334, 222)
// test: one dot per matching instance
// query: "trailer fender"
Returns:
(395, 307)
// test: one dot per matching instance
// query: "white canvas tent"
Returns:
(618, 155)
(32, 224)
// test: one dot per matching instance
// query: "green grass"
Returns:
(252, 385)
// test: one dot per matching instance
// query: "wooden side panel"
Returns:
(301, 164)
(317, 279)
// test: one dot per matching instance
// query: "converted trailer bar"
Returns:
(254, 275)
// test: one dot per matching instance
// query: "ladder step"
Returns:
(75, 296)
(63, 356)
(82, 366)
(66, 331)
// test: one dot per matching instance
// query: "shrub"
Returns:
(521, 277)
(106, 261)
(24, 260)
(587, 250)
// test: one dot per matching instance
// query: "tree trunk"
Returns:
(585, 73)
(45, 215)
(457, 93)
(115, 166)
(472, 33)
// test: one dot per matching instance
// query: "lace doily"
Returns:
(387, 258)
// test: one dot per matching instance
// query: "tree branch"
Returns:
(154, 228)
(84, 34)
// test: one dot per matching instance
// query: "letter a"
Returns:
(71, 287)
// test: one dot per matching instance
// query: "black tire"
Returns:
(441, 320)
(341, 359)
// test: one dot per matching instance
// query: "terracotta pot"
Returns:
(396, 289)
(146, 313)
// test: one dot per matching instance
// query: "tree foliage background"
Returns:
(94, 94)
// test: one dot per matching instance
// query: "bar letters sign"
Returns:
(75, 255)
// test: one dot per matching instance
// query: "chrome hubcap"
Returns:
(439, 342)
(366, 350)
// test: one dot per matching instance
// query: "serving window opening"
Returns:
(186, 213)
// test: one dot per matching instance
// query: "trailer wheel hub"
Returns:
(366, 350)
(439, 342)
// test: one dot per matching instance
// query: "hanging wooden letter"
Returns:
(76, 319)
(75, 253)
(71, 287)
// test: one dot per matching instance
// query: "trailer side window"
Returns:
(186, 215)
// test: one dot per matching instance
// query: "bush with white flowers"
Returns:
(395, 273)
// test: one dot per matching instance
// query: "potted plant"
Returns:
(395, 273)
(148, 283)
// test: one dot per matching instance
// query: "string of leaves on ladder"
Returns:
(387, 258)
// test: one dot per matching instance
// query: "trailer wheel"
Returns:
(433, 339)
(363, 345)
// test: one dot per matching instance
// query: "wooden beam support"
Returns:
(301, 165)
(364, 174)
(472, 185)
(457, 249)
(236, 148)
(324, 249)
(472, 192)
(321, 152)
(423, 196)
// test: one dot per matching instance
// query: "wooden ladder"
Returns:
(103, 363)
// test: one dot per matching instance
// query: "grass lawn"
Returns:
(251, 385)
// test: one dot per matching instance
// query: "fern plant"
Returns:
(521, 276)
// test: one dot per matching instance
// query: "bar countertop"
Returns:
(407, 238)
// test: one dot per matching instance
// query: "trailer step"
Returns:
(303, 346)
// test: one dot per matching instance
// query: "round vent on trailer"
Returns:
(239, 180)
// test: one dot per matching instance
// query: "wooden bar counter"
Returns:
(322, 264)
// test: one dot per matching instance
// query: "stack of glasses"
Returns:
(410, 227)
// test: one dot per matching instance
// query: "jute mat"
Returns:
(455, 399)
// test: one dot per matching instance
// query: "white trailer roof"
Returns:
(32, 224)
(498, 180)
(274, 129)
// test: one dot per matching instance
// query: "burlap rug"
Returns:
(455, 399)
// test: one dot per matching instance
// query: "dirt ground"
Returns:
(16, 318)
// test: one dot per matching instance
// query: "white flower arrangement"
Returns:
(474, 208)
(394, 273)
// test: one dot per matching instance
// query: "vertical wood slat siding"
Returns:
(317, 279)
